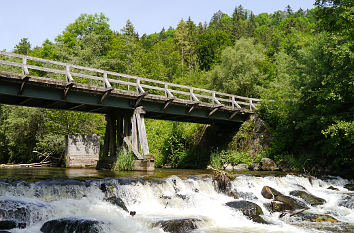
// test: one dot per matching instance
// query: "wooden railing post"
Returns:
(69, 78)
(24, 66)
(106, 82)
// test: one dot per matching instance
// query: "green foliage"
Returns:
(219, 158)
(125, 161)
(241, 69)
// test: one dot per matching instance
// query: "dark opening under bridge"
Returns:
(125, 100)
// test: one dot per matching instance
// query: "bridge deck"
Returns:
(79, 88)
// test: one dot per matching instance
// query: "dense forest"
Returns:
(299, 62)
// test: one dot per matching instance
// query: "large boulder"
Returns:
(246, 207)
(292, 204)
(76, 225)
(266, 164)
(241, 167)
(269, 192)
(308, 198)
(178, 225)
(276, 206)
(249, 209)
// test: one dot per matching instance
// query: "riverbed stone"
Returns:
(269, 192)
(77, 225)
(277, 206)
(333, 188)
(291, 202)
(246, 207)
(350, 187)
(178, 225)
(241, 167)
(118, 202)
(266, 164)
(313, 217)
(11, 224)
(249, 209)
(254, 167)
(308, 198)
(24, 212)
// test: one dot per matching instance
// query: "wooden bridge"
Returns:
(125, 99)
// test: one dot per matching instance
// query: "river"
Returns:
(34, 196)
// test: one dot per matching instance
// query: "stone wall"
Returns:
(82, 151)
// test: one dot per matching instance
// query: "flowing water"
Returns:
(76, 193)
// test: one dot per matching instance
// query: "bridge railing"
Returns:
(113, 80)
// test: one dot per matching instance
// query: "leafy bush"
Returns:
(125, 161)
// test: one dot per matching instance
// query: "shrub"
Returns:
(125, 161)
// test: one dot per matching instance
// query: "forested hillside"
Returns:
(299, 61)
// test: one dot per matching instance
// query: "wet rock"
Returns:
(267, 164)
(11, 224)
(258, 219)
(241, 167)
(333, 188)
(269, 192)
(314, 218)
(248, 208)
(76, 225)
(291, 202)
(24, 212)
(118, 202)
(254, 167)
(350, 187)
(284, 165)
(308, 198)
(276, 206)
(178, 225)
(5, 231)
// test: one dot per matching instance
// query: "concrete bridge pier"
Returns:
(125, 130)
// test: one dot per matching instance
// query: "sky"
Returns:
(39, 20)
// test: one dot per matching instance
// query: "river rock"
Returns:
(177, 225)
(249, 209)
(11, 224)
(118, 202)
(276, 206)
(291, 202)
(254, 167)
(313, 218)
(350, 187)
(284, 165)
(241, 167)
(76, 225)
(267, 164)
(24, 212)
(333, 188)
(308, 198)
(269, 192)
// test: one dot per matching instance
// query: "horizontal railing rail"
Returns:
(110, 80)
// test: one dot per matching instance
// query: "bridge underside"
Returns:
(55, 94)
